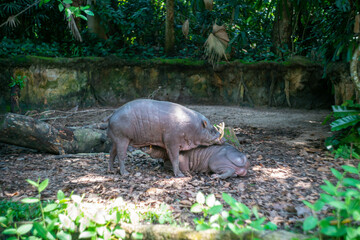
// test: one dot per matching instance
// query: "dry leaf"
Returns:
(186, 203)
(208, 4)
(185, 28)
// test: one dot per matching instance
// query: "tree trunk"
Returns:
(282, 27)
(28, 132)
(353, 68)
(14, 99)
(94, 24)
(169, 28)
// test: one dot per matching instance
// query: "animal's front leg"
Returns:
(228, 173)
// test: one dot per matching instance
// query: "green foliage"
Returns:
(162, 215)
(18, 80)
(136, 28)
(344, 200)
(238, 219)
(71, 218)
(346, 140)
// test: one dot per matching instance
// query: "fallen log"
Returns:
(28, 132)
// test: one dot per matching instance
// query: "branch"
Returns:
(13, 17)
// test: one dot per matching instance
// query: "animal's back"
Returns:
(145, 121)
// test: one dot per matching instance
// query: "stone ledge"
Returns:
(163, 232)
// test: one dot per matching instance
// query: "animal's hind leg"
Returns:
(121, 148)
(112, 157)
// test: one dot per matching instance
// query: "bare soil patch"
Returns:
(285, 148)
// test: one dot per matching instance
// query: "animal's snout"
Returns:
(241, 171)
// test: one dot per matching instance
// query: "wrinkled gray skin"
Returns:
(224, 160)
(146, 122)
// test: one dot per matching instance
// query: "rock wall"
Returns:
(61, 83)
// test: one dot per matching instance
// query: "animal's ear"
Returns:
(204, 123)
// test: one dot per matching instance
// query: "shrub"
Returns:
(346, 140)
(238, 219)
(344, 200)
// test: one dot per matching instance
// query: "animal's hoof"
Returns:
(179, 175)
(215, 176)
(111, 171)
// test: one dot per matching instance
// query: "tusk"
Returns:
(220, 128)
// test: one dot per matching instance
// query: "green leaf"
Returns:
(61, 7)
(210, 200)
(342, 111)
(76, 198)
(270, 226)
(336, 173)
(334, 231)
(89, 12)
(24, 229)
(318, 205)
(356, 215)
(344, 122)
(326, 198)
(196, 208)
(329, 188)
(32, 183)
(352, 233)
(3, 219)
(51, 224)
(67, 1)
(120, 233)
(309, 205)
(257, 224)
(82, 16)
(228, 199)
(350, 169)
(137, 235)
(43, 185)
(87, 234)
(9, 231)
(329, 230)
(351, 182)
(41, 231)
(215, 209)
(235, 229)
(255, 211)
(60, 195)
(30, 200)
(310, 223)
(63, 236)
(202, 227)
(14, 238)
(50, 207)
(338, 204)
(200, 198)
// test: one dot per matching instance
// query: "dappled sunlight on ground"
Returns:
(288, 165)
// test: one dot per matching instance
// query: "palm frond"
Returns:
(216, 44)
(72, 25)
(185, 28)
(12, 22)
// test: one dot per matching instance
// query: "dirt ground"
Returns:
(285, 148)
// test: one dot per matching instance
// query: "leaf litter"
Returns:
(285, 149)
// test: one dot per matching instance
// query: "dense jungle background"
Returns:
(257, 30)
